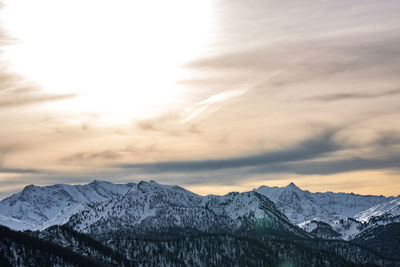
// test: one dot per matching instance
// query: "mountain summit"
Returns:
(292, 185)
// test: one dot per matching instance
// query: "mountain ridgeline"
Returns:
(150, 224)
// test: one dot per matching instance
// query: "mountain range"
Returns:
(128, 224)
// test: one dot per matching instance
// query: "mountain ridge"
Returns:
(125, 217)
(30, 208)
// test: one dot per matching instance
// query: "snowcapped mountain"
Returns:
(301, 205)
(148, 222)
(369, 221)
(150, 207)
(102, 207)
(333, 215)
(378, 219)
(37, 207)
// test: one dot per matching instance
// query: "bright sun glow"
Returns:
(122, 58)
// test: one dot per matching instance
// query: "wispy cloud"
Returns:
(221, 97)
(15, 98)
(16, 170)
(350, 96)
(210, 104)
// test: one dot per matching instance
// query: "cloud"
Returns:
(15, 90)
(88, 156)
(113, 154)
(309, 157)
(351, 41)
(7, 147)
(349, 96)
(220, 97)
(209, 105)
(15, 98)
(171, 124)
(314, 147)
(311, 58)
(160, 123)
(387, 139)
(17, 170)
(341, 166)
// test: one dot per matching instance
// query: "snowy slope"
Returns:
(389, 208)
(16, 224)
(301, 205)
(346, 214)
(309, 226)
(365, 221)
(348, 228)
(368, 220)
(342, 229)
(320, 229)
(38, 207)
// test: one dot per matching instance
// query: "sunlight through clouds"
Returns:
(121, 59)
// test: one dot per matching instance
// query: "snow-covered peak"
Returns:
(292, 186)
(150, 207)
(301, 205)
(346, 214)
(36, 205)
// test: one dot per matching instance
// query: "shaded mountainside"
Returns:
(354, 252)
(82, 244)
(209, 250)
(222, 250)
(21, 249)
(382, 238)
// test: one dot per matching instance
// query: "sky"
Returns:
(211, 95)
